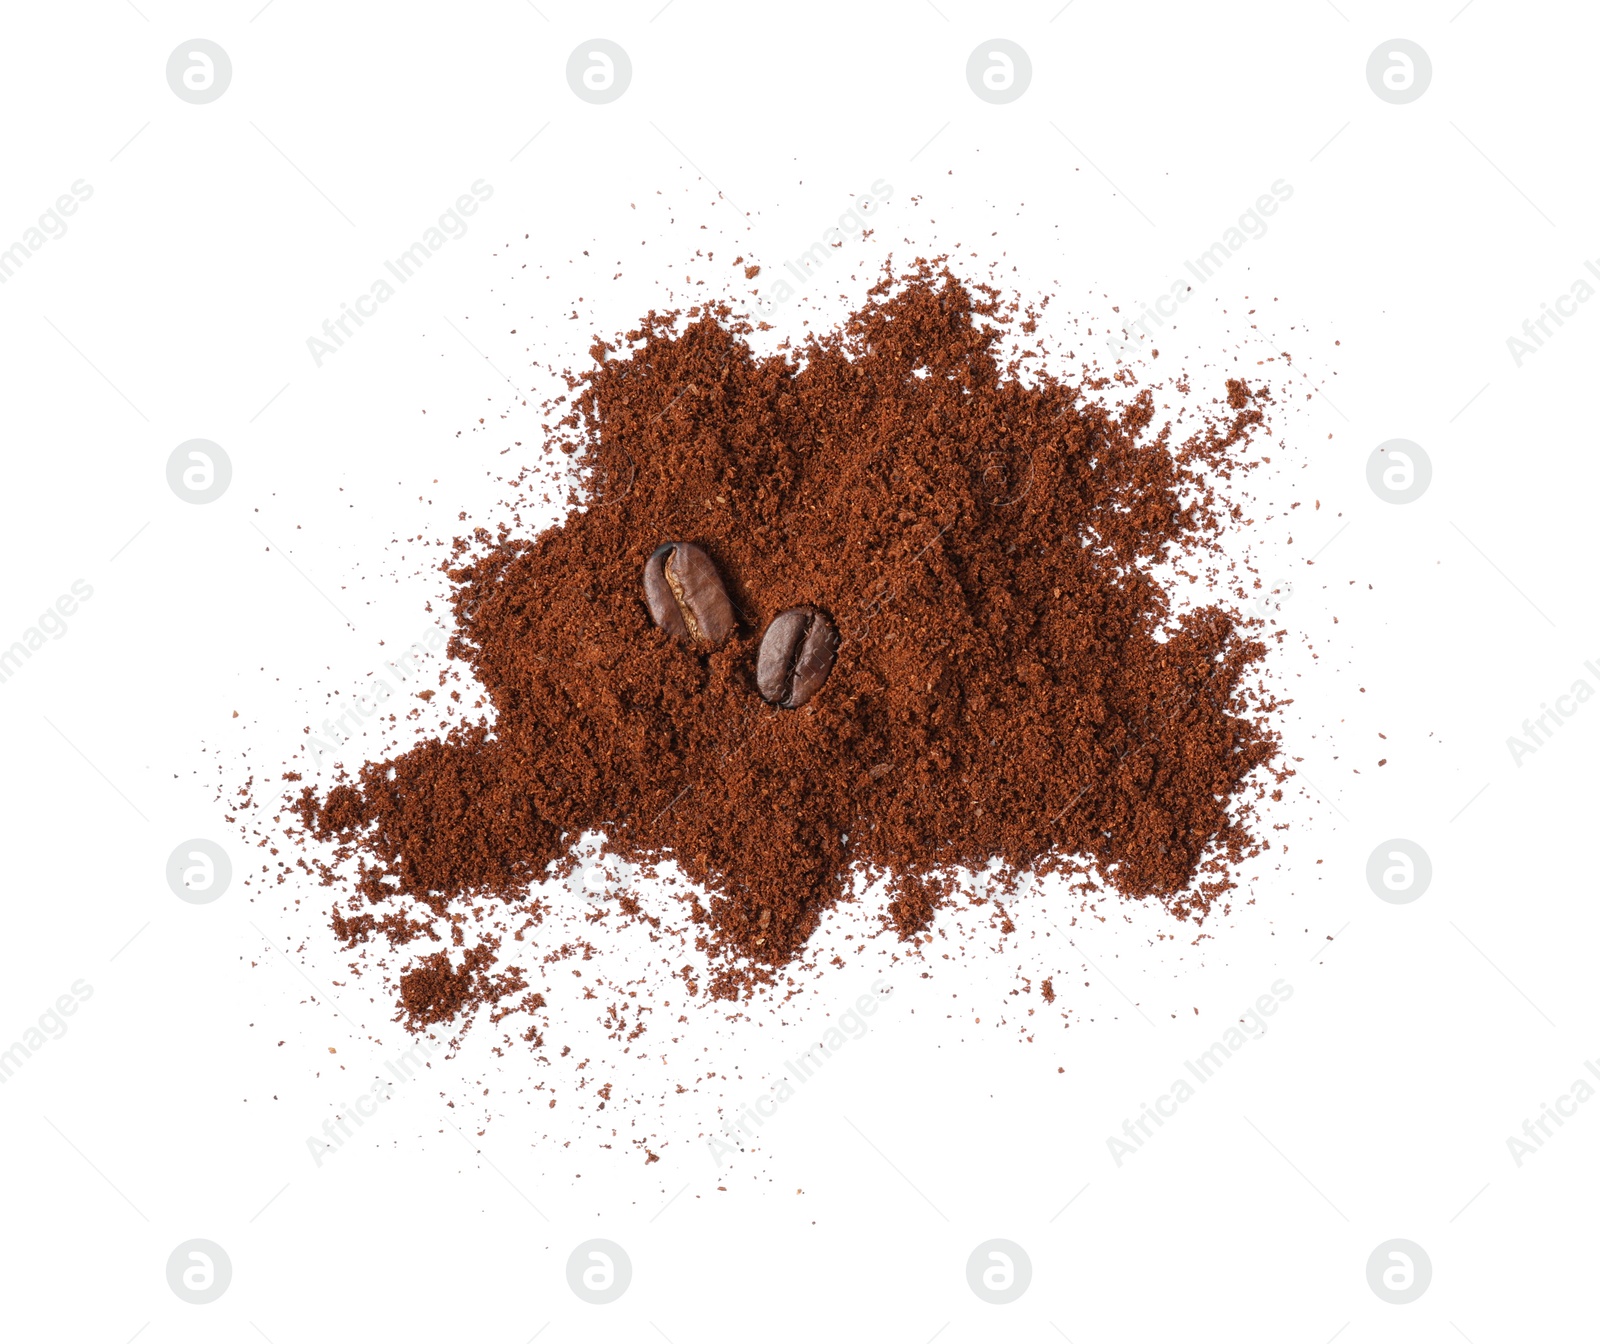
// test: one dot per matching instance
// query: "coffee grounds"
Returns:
(1014, 685)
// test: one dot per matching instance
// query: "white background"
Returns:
(178, 304)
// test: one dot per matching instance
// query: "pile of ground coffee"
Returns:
(1012, 682)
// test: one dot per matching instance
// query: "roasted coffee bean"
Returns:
(796, 656)
(685, 594)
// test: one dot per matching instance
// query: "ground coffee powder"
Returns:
(1011, 683)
